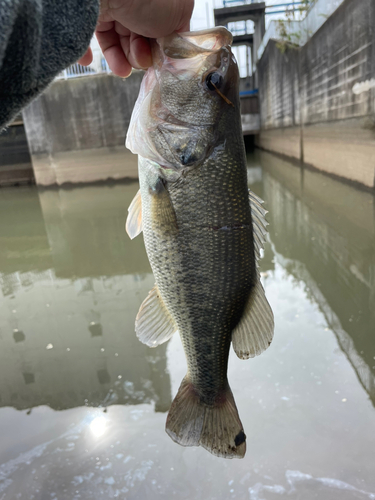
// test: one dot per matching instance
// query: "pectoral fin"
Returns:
(254, 332)
(154, 325)
(134, 219)
(163, 215)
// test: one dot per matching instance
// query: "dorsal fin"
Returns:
(254, 332)
(134, 220)
(259, 222)
(153, 324)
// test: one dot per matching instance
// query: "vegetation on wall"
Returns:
(288, 36)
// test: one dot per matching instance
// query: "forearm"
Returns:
(38, 39)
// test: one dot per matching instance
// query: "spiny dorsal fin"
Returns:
(134, 220)
(153, 324)
(254, 332)
(255, 198)
(259, 222)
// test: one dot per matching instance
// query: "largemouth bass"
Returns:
(201, 236)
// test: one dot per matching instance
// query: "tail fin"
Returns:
(217, 428)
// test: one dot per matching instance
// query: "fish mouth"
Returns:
(186, 55)
(191, 56)
(165, 128)
(209, 39)
(189, 44)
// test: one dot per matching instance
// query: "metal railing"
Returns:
(98, 66)
(289, 6)
(247, 27)
(239, 2)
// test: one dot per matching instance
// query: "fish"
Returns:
(203, 231)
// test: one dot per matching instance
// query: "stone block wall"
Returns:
(308, 108)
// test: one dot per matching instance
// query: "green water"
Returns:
(83, 403)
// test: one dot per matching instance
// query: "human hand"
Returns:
(125, 26)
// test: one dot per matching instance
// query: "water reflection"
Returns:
(71, 283)
(323, 233)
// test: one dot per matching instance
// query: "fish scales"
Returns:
(194, 263)
(198, 233)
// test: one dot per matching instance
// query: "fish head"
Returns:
(192, 84)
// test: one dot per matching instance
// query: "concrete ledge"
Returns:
(15, 161)
(16, 174)
(343, 149)
(286, 141)
(85, 166)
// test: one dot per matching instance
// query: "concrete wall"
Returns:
(308, 108)
(76, 130)
(15, 161)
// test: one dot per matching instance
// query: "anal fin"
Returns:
(153, 324)
(254, 332)
(134, 220)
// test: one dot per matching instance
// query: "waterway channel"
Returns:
(83, 403)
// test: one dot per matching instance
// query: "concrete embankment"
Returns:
(15, 161)
(76, 130)
(311, 106)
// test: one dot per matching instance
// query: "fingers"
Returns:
(151, 19)
(137, 50)
(124, 28)
(110, 43)
(122, 49)
(86, 59)
(136, 47)
(184, 27)
(117, 61)
(185, 16)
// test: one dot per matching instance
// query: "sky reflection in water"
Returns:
(83, 402)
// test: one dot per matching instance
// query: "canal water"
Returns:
(83, 403)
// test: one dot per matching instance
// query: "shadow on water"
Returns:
(322, 232)
(71, 283)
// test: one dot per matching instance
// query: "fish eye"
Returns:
(214, 80)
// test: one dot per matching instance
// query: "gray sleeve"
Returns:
(38, 39)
